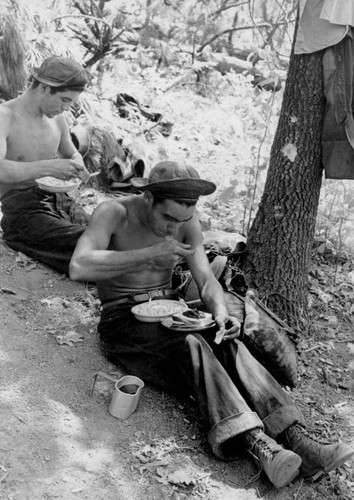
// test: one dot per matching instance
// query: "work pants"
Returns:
(233, 392)
(44, 226)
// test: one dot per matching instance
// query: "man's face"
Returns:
(55, 104)
(167, 217)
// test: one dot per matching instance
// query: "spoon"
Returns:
(92, 175)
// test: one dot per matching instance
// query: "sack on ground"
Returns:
(268, 338)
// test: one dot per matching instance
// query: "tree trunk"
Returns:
(281, 236)
(12, 58)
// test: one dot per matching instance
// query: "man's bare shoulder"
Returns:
(115, 209)
(110, 207)
(11, 106)
(11, 113)
(191, 231)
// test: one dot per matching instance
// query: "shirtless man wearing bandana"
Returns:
(35, 142)
(130, 249)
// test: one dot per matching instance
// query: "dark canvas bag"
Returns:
(267, 337)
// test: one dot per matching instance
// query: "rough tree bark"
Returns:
(13, 76)
(281, 236)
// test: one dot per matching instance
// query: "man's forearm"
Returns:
(13, 172)
(213, 298)
(106, 264)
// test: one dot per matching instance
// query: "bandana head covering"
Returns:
(173, 181)
(59, 71)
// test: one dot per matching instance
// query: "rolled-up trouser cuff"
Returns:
(231, 427)
(281, 419)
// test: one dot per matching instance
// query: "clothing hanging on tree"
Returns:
(327, 25)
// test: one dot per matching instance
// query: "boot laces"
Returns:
(262, 444)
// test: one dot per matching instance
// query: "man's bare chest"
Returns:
(132, 238)
(32, 140)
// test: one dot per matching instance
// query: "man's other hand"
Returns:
(229, 326)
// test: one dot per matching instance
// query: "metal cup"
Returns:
(126, 394)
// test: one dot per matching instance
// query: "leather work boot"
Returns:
(280, 465)
(317, 458)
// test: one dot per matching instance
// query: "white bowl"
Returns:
(54, 185)
(155, 310)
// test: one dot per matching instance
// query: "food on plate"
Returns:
(189, 320)
(159, 308)
(193, 317)
(194, 314)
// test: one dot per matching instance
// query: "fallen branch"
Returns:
(178, 80)
(83, 16)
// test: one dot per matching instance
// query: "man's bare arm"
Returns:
(92, 260)
(209, 288)
(13, 172)
(68, 150)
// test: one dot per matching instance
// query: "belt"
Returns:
(138, 298)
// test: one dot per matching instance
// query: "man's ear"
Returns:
(148, 198)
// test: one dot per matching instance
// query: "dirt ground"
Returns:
(58, 441)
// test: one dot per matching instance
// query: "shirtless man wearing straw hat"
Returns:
(130, 249)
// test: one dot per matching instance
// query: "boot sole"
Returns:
(285, 468)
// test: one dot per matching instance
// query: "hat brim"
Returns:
(180, 188)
